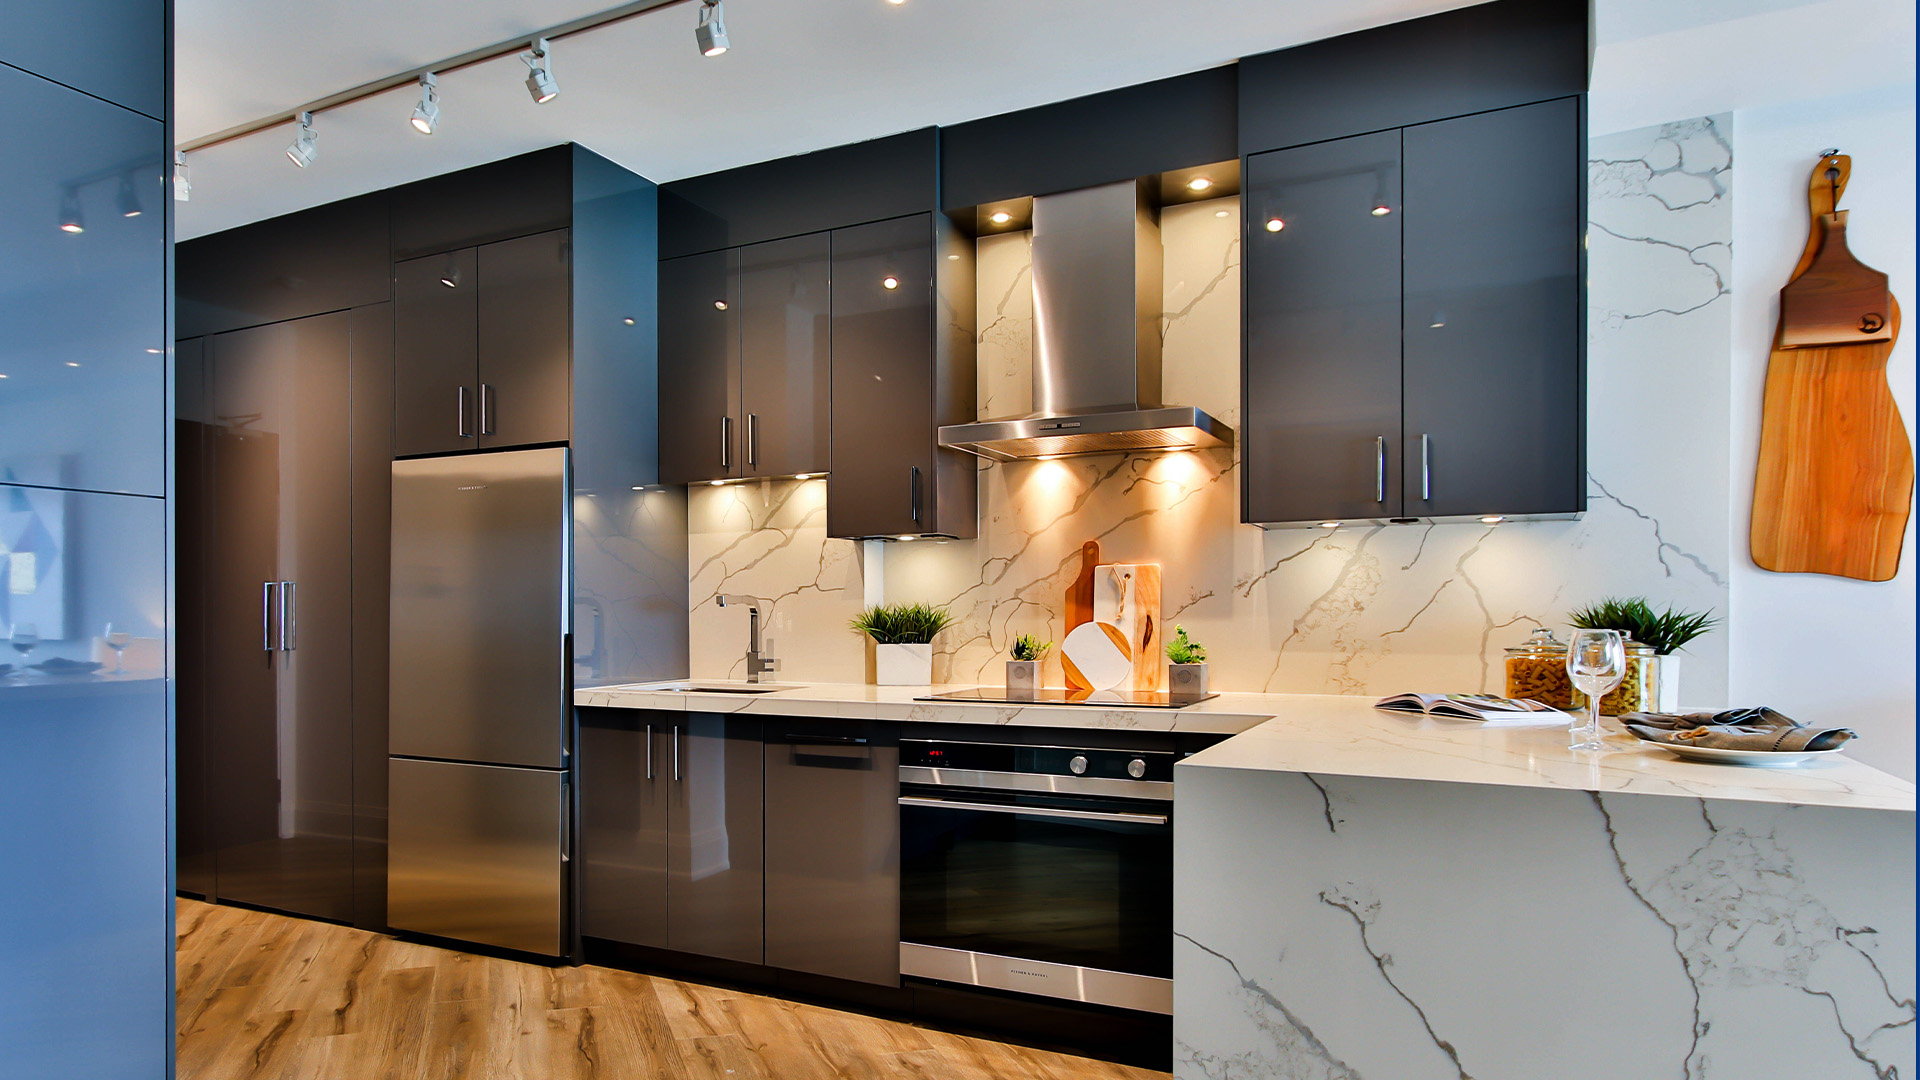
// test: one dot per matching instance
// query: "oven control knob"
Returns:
(1078, 766)
(1136, 768)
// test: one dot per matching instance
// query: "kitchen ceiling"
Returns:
(802, 74)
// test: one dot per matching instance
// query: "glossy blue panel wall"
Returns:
(86, 906)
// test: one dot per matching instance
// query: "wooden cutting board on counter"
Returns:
(1834, 485)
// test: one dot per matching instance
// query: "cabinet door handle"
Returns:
(461, 421)
(1379, 468)
(1426, 467)
(486, 409)
(289, 618)
(753, 440)
(266, 614)
(913, 492)
(649, 751)
(674, 752)
(726, 442)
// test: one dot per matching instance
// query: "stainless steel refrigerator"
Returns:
(478, 737)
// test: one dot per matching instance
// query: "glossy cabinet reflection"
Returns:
(1493, 303)
(672, 831)
(1321, 438)
(112, 49)
(699, 369)
(82, 290)
(278, 616)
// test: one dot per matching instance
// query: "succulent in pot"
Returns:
(903, 641)
(1652, 682)
(1187, 665)
(1023, 669)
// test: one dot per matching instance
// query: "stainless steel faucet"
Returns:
(757, 664)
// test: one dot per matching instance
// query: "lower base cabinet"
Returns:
(702, 834)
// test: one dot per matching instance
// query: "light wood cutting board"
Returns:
(1834, 485)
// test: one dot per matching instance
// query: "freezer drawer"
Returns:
(478, 853)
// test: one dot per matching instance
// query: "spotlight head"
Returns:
(540, 83)
(303, 149)
(128, 199)
(427, 113)
(71, 220)
(712, 31)
(182, 180)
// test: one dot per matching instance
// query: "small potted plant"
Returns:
(903, 641)
(1023, 670)
(1652, 683)
(1187, 665)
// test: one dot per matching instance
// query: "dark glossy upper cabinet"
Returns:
(1494, 421)
(699, 369)
(436, 328)
(524, 388)
(83, 290)
(482, 346)
(899, 372)
(1321, 437)
(785, 354)
(112, 49)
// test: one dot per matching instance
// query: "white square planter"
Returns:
(903, 665)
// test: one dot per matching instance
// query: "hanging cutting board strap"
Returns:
(1834, 485)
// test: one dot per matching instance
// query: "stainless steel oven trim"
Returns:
(1034, 811)
(1096, 986)
(1156, 790)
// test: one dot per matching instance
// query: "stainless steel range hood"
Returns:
(1096, 314)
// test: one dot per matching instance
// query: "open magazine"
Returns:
(1484, 708)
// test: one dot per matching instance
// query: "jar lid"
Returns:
(1541, 643)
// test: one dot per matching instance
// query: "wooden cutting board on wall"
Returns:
(1834, 485)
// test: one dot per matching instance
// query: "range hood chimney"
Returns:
(1096, 315)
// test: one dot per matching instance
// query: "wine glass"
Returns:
(118, 640)
(1596, 662)
(24, 638)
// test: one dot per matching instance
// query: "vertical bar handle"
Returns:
(486, 409)
(566, 819)
(649, 751)
(266, 615)
(913, 492)
(753, 440)
(461, 421)
(726, 442)
(1379, 468)
(1426, 467)
(675, 751)
(289, 626)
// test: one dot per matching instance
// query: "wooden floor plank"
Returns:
(267, 997)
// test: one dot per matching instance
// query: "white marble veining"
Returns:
(1340, 927)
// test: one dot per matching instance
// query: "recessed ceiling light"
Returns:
(1275, 224)
(427, 113)
(1000, 217)
(712, 31)
(889, 282)
(1199, 183)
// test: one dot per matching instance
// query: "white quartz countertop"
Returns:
(1331, 735)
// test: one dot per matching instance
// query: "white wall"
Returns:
(1821, 649)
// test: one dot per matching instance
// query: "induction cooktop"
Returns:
(1137, 699)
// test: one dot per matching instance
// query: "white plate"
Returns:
(1764, 758)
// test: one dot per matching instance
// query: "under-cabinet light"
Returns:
(1199, 183)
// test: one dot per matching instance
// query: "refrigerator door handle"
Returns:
(289, 626)
(266, 614)
(566, 821)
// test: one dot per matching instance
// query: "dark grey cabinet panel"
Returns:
(1494, 217)
(436, 309)
(370, 381)
(193, 543)
(784, 321)
(716, 881)
(327, 258)
(833, 850)
(883, 376)
(114, 49)
(1321, 381)
(278, 634)
(699, 370)
(624, 781)
(84, 402)
(517, 196)
(525, 396)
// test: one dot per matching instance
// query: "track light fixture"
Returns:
(128, 200)
(303, 149)
(712, 31)
(182, 179)
(427, 113)
(540, 72)
(70, 217)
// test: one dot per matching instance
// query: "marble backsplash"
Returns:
(1357, 610)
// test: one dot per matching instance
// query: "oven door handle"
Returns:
(1035, 811)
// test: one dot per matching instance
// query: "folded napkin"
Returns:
(60, 665)
(1735, 729)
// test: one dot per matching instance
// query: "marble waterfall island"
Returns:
(1416, 898)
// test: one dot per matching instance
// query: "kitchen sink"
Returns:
(713, 688)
